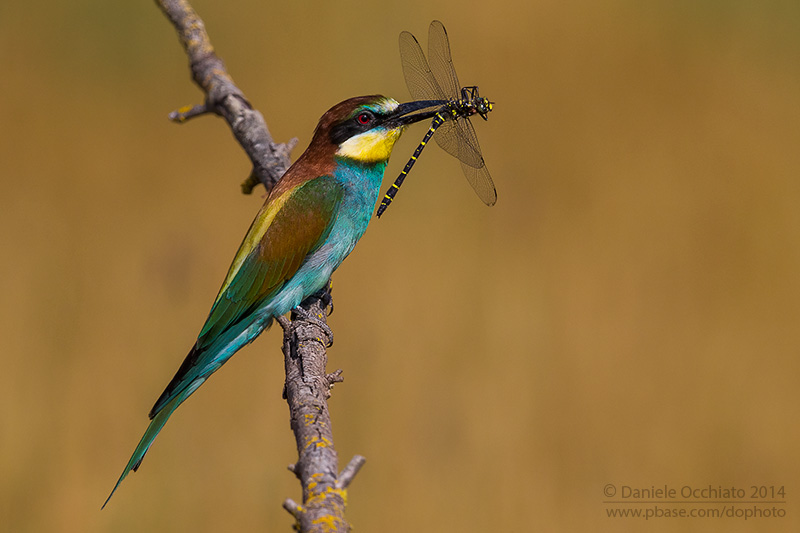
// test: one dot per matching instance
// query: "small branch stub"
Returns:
(350, 471)
(184, 113)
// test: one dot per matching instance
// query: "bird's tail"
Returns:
(153, 429)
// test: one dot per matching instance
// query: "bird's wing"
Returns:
(279, 240)
(285, 232)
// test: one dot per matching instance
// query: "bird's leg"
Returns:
(325, 294)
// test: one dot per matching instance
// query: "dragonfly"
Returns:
(435, 79)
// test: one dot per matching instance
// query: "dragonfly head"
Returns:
(483, 106)
(477, 104)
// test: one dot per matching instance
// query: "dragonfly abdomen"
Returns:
(438, 120)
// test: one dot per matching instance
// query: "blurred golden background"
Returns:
(627, 313)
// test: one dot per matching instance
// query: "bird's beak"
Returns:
(402, 115)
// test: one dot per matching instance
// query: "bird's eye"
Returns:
(364, 118)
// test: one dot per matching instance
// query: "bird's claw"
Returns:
(308, 316)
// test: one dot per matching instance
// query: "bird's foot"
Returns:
(290, 327)
(308, 316)
(304, 311)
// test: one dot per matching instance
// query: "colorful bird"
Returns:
(310, 222)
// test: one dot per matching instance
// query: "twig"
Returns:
(184, 113)
(307, 335)
(350, 471)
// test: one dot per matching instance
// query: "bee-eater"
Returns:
(309, 223)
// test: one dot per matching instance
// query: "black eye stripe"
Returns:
(353, 126)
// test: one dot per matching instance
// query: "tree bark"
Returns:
(307, 335)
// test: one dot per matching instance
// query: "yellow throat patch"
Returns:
(371, 146)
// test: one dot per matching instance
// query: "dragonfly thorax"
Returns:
(466, 107)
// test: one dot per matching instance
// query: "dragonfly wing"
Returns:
(472, 162)
(447, 137)
(481, 182)
(457, 138)
(419, 78)
(440, 61)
